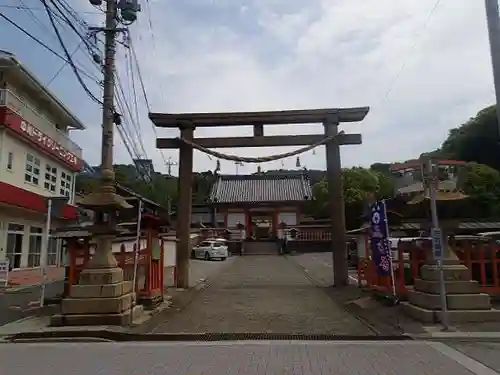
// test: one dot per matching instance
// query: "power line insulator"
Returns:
(97, 58)
(129, 9)
(117, 118)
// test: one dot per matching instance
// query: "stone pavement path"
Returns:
(263, 294)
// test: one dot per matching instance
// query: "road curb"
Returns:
(458, 336)
(118, 336)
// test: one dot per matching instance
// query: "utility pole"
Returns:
(169, 164)
(431, 183)
(102, 269)
(105, 202)
(493, 18)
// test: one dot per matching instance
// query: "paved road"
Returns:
(252, 358)
(20, 304)
(263, 294)
(485, 352)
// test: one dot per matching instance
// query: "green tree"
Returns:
(358, 185)
(475, 141)
(482, 185)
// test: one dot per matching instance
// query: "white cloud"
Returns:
(222, 55)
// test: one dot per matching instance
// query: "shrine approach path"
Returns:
(262, 294)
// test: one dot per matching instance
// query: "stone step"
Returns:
(260, 248)
(475, 301)
(455, 316)
(452, 287)
(451, 273)
(105, 305)
(124, 318)
(98, 291)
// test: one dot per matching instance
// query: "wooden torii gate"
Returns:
(331, 118)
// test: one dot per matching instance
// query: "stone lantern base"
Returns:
(101, 297)
(465, 302)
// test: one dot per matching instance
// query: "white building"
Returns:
(37, 160)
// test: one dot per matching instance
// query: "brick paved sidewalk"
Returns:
(263, 294)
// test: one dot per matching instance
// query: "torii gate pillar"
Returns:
(185, 189)
(336, 204)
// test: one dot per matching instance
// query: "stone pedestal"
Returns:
(465, 302)
(101, 297)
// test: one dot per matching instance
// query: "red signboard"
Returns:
(15, 196)
(29, 132)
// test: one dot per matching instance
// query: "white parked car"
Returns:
(211, 249)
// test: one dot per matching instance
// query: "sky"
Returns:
(422, 66)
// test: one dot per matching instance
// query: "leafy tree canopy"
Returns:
(475, 141)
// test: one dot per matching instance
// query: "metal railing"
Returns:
(16, 104)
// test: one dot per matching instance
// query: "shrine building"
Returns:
(262, 203)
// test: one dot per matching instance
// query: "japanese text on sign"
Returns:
(379, 239)
(437, 244)
(48, 142)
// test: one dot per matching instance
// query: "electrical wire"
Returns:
(35, 9)
(411, 52)
(71, 25)
(146, 100)
(68, 56)
(64, 8)
(44, 45)
(63, 66)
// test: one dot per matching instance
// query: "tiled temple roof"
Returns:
(261, 188)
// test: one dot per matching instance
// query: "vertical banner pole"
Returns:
(379, 238)
(387, 239)
(137, 247)
(437, 242)
(44, 253)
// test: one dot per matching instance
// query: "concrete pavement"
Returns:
(199, 270)
(484, 352)
(23, 303)
(263, 294)
(259, 358)
(320, 267)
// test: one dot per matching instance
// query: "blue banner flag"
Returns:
(379, 238)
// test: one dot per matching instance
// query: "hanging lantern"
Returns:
(314, 151)
(217, 167)
(297, 163)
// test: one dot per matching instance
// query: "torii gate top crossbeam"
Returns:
(171, 120)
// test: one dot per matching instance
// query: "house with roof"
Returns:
(260, 202)
(38, 161)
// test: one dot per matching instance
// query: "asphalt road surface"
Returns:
(20, 304)
(259, 358)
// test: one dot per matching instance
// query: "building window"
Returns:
(66, 184)
(32, 172)
(52, 252)
(35, 247)
(50, 178)
(15, 236)
(10, 161)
